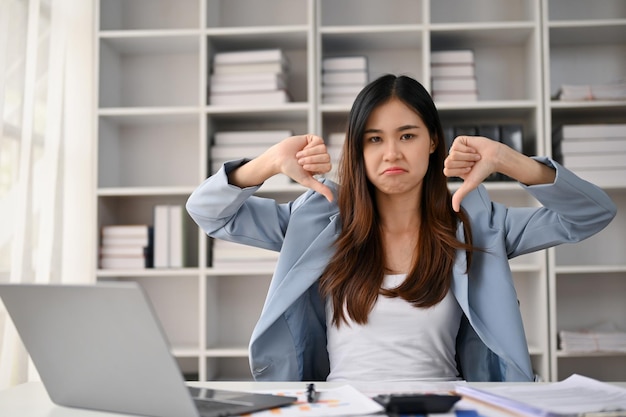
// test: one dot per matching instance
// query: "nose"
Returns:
(392, 152)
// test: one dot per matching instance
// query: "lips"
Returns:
(394, 170)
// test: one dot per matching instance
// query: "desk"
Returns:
(31, 399)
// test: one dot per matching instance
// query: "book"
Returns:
(123, 262)
(575, 396)
(248, 86)
(595, 160)
(125, 230)
(452, 70)
(247, 78)
(341, 89)
(122, 250)
(254, 68)
(454, 84)
(236, 152)
(265, 98)
(176, 247)
(465, 56)
(344, 63)
(339, 99)
(358, 78)
(584, 92)
(252, 137)
(598, 145)
(161, 236)
(603, 177)
(250, 56)
(587, 131)
(444, 96)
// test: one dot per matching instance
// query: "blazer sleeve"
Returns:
(231, 213)
(572, 210)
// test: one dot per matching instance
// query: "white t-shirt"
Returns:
(399, 342)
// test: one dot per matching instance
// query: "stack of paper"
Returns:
(229, 255)
(257, 77)
(603, 338)
(581, 92)
(573, 397)
(453, 76)
(343, 78)
(596, 152)
(169, 235)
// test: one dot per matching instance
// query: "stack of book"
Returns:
(169, 236)
(603, 338)
(334, 146)
(229, 255)
(343, 78)
(257, 77)
(582, 92)
(229, 145)
(453, 76)
(595, 152)
(126, 246)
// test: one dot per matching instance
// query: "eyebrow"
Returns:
(400, 129)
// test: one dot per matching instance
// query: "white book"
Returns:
(335, 139)
(452, 70)
(247, 78)
(161, 236)
(358, 78)
(591, 146)
(455, 96)
(255, 137)
(266, 98)
(223, 152)
(338, 89)
(122, 250)
(339, 99)
(344, 63)
(247, 87)
(261, 67)
(134, 230)
(596, 160)
(586, 131)
(176, 236)
(109, 262)
(454, 84)
(452, 57)
(141, 242)
(251, 56)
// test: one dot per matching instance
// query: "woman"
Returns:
(388, 276)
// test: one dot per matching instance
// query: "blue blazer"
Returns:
(289, 340)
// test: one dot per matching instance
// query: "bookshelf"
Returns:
(587, 281)
(155, 126)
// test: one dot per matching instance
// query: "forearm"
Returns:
(253, 173)
(523, 168)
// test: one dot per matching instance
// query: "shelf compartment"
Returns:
(163, 144)
(452, 11)
(503, 60)
(387, 51)
(533, 302)
(563, 10)
(140, 210)
(245, 13)
(149, 71)
(603, 368)
(370, 12)
(228, 369)
(162, 14)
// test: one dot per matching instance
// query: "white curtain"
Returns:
(47, 203)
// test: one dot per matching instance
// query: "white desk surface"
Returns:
(31, 399)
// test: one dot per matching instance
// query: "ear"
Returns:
(433, 145)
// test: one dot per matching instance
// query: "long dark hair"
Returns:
(354, 276)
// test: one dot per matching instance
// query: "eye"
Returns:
(373, 139)
(407, 136)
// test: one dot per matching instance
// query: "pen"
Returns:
(311, 394)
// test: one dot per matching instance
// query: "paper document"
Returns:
(343, 401)
(574, 396)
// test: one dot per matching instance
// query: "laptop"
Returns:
(101, 347)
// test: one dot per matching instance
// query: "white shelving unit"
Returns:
(155, 128)
(586, 44)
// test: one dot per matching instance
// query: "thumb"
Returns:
(459, 195)
(316, 185)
